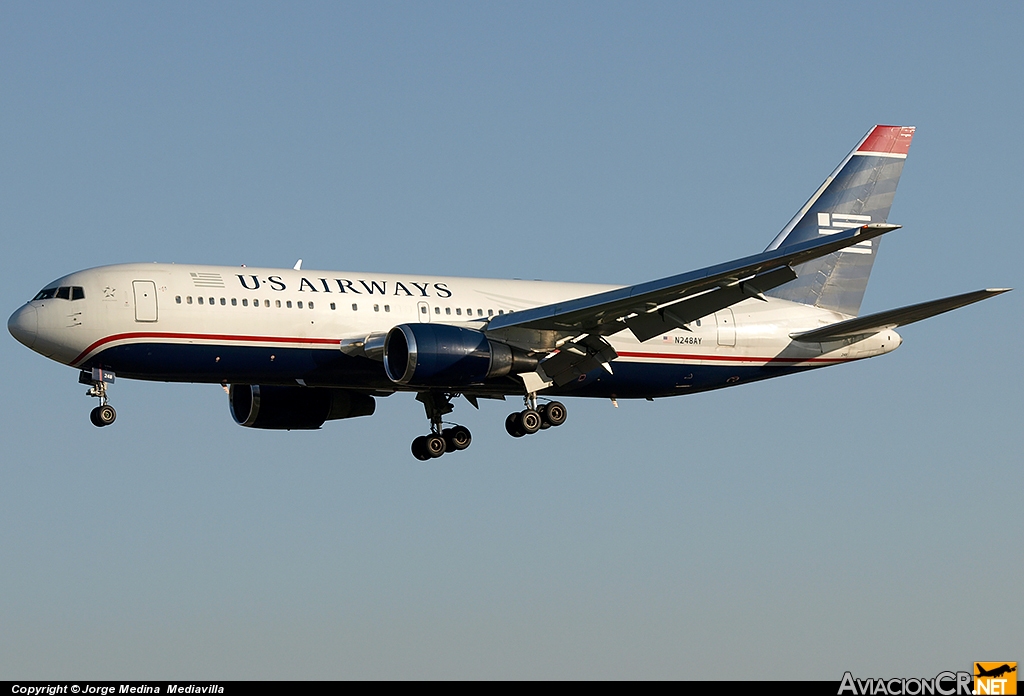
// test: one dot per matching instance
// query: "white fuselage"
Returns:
(225, 324)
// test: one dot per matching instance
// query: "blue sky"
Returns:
(860, 517)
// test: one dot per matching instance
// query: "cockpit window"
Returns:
(77, 293)
(64, 293)
(46, 294)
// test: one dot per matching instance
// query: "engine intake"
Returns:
(441, 355)
(294, 408)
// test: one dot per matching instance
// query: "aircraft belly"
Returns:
(195, 362)
(637, 380)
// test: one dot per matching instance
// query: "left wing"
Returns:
(651, 308)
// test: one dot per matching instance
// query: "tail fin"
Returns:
(858, 192)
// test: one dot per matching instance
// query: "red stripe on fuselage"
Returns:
(730, 358)
(291, 340)
(202, 337)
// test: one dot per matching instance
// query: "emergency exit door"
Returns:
(145, 300)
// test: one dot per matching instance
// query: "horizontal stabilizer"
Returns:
(873, 323)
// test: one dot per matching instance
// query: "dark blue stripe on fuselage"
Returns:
(175, 362)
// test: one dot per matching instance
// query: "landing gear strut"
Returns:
(98, 379)
(534, 417)
(441, 439)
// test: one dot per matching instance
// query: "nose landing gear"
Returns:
(98, 379)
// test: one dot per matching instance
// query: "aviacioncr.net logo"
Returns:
(942, 684)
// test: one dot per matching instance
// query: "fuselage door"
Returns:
(145, 300)
(423, 312)
(726, 327)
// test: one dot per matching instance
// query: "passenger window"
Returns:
(334, 306)
(188, 299)
(501, 311)
(245, 302)
(223, 301)
(490, 312)
(266, 303)
(277, 303)
(387, 308)
(376, 308)
(64, 293)
(698, 322)
(178, 299)
(437, 310)
(479, 312)
(310, 305)
(234, 302)
(469, 312)
(299, 304)
(213, 300)
(458, 311)
(447, 310)
(355, 307)
(200, 300)
(288, 304)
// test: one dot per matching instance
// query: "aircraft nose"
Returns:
(24, 325)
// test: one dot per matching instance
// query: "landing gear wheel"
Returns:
(544, 425)
(512, 425)
(529, 421)
(434, 446)
(457, 439)
(555, 413)
(419, 448)
(103, 415)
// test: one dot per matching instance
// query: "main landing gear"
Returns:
(534, 417)
(98, 379)
(441, 439)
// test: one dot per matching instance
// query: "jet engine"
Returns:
(441, 355)
(294, 408)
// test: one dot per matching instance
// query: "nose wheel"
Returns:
(98, 379)
(102, 415)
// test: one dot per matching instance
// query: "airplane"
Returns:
(995, 672)
(296, 348)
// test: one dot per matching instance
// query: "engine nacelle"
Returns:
(294, 408)
(441, 355)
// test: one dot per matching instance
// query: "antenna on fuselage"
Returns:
(298, 265)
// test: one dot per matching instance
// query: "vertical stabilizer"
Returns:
(858, 192)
